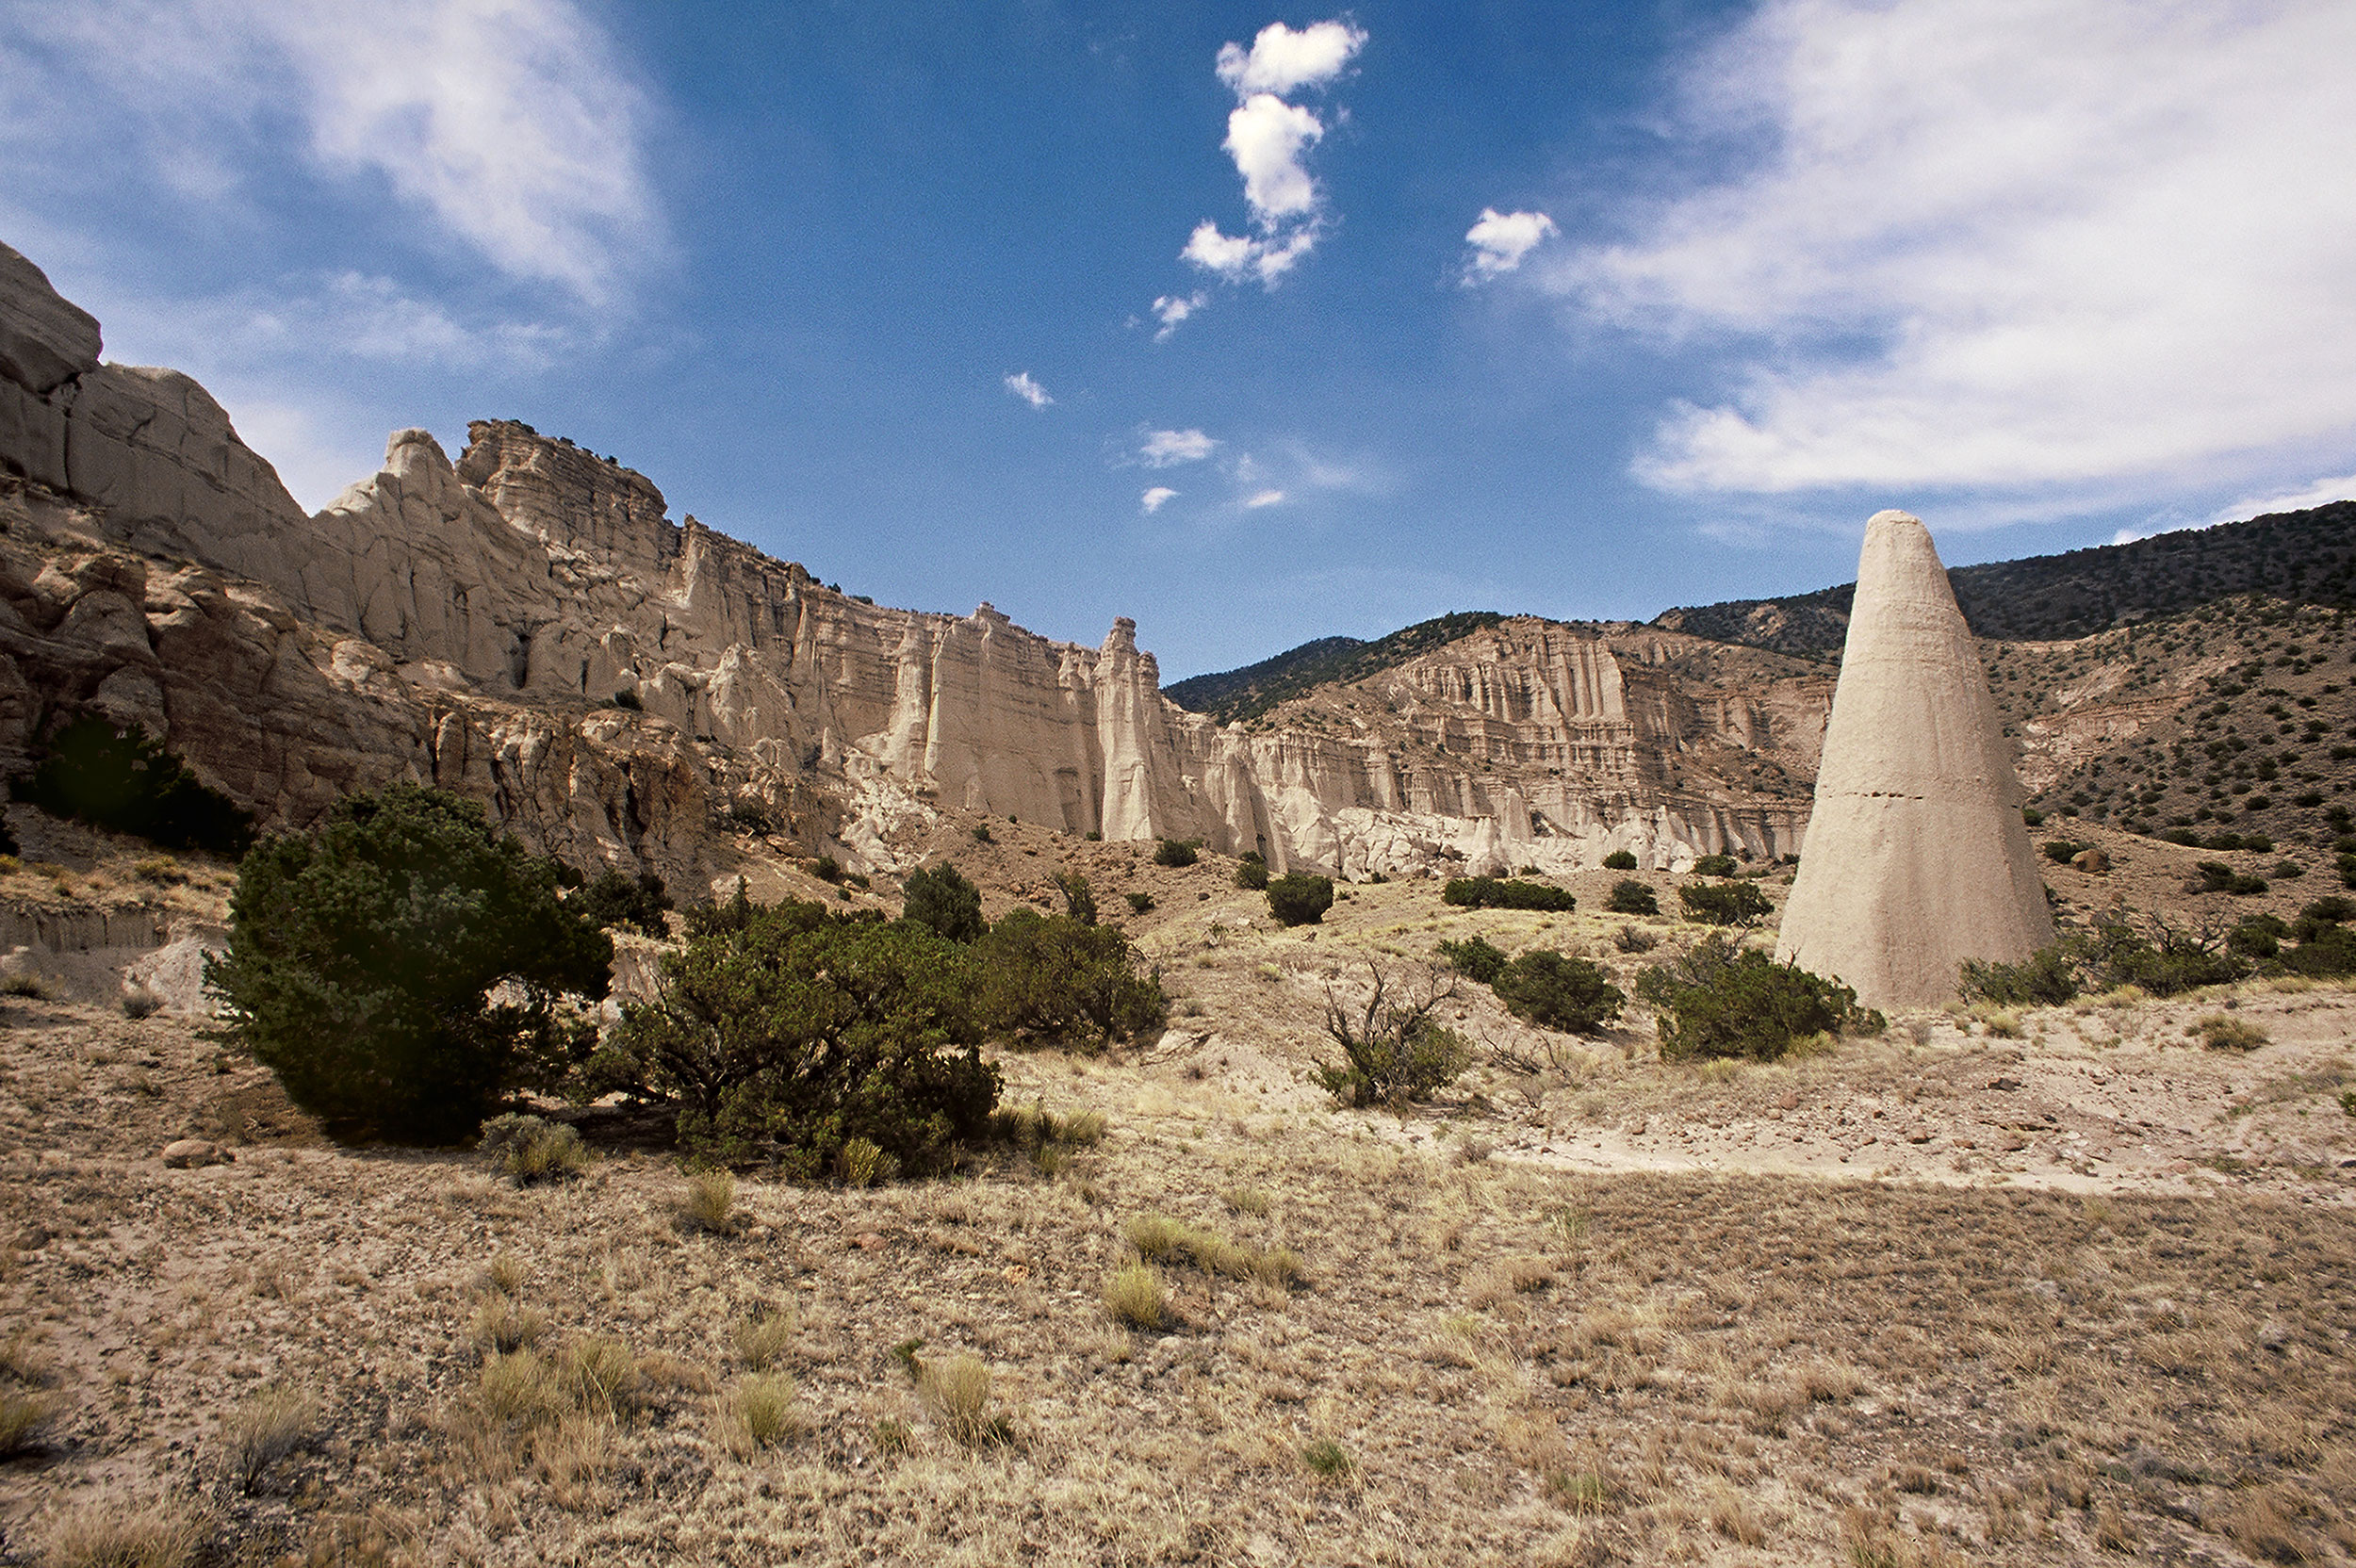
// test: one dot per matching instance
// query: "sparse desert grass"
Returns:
(957, 1392)
(2224, 1032)
(501, 1325)
(1159, 1239)
(760, 1413)
(24, 1415)
(109, 1533)
(762, 1337)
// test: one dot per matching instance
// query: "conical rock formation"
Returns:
(1916, 857)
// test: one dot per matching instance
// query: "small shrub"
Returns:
(1300, 898)
(982, 835)
(1393, 1049)
(711, 1202)
(1079, 900)
(1632, 897)
(764, 1337)
(1138, 903)
(1714, 865)
(1136, 1298)
(2000, 1023)
(2062, 851)
(139, 1002)
(1558, 993)
(269, 1426)
(945, 903)
(1252, 874)
(1328, 1459)
(862, 1164)
(530, 1148)
(1620, 859)
(1177, 852)
(2044, 979)
(1721, 1002)
(1634, 938)
(2215, 877)
(1494, 893)
(1475, 958)
(1053, 978)
(2224, 1032)
(160, 871)
(1724, 903)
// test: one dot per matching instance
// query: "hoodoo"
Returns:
(1916, 857)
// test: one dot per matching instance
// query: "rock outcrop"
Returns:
(1917, 857)
(527, 625)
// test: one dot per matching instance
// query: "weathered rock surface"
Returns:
(527, 625)
(1917, 857)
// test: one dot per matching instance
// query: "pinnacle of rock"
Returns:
(1916, 857)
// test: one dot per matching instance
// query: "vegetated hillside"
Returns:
(2239, 716)
(2302, 557)
(1232, 695)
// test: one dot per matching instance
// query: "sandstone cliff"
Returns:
(527, 624)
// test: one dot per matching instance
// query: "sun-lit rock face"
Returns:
(528, 624)
(1917, 857)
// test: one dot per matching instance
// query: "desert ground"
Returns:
(2052, 1287)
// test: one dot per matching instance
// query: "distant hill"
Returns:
(1232, 695)
(2300, 557)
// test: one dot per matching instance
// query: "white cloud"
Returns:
(512, 123)
(1153, 500)
(1281, 61)
(1500, 240)
(2323, 492)
(1261, 497)
(1266, 136)
(1171, 309)
(2098, 247)
(1166, 448)
(1031, 392)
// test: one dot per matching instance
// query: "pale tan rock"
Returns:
(1916, 857)
(187, 1153)
(2094, 862)
(44, 340)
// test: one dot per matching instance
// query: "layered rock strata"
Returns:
(529, 625)
(1917, 857)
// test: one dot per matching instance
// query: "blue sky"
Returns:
(1256, 325)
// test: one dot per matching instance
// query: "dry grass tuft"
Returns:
(269, 1426)
(760, 1413)
(25, 1414)
(1250, 1201)
(599, 1375)
(762, 1338)
(1160, 1239)
(1324, 1457)
(500, 1325)
(711, 1203)
(1136, 1299)
(957, 1391)
(104, 1534)
(2224, 1032)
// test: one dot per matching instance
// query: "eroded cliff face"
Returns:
(527, 625)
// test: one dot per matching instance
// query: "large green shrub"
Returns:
(1714, 865)
(1558, 993)
(1475, 958)
(1252, 874)
(362, 958)
(1042, 977)
(1300, 898)
(1177, 852)
(119, 777)
(1632, 897)
(804, 1030)
(2157, 958)
(1497, 892)
(637, 904)
(2045, 978)
(943, 902)
(1620, 859)
(1724, 903)
(1722, 1001)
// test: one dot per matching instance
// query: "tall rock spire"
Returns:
(1916, 857)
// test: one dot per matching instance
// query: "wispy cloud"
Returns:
(1268, 138)
(1021, 385)
(2323, 492)
(511, 126)
(1173, 309)
(1163, 449)
(1501, 240)
(1259, 498)
(1156, 499)
(2035, 246)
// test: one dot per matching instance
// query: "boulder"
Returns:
(185, 1154)
(1916, 855)
(2093, 861)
